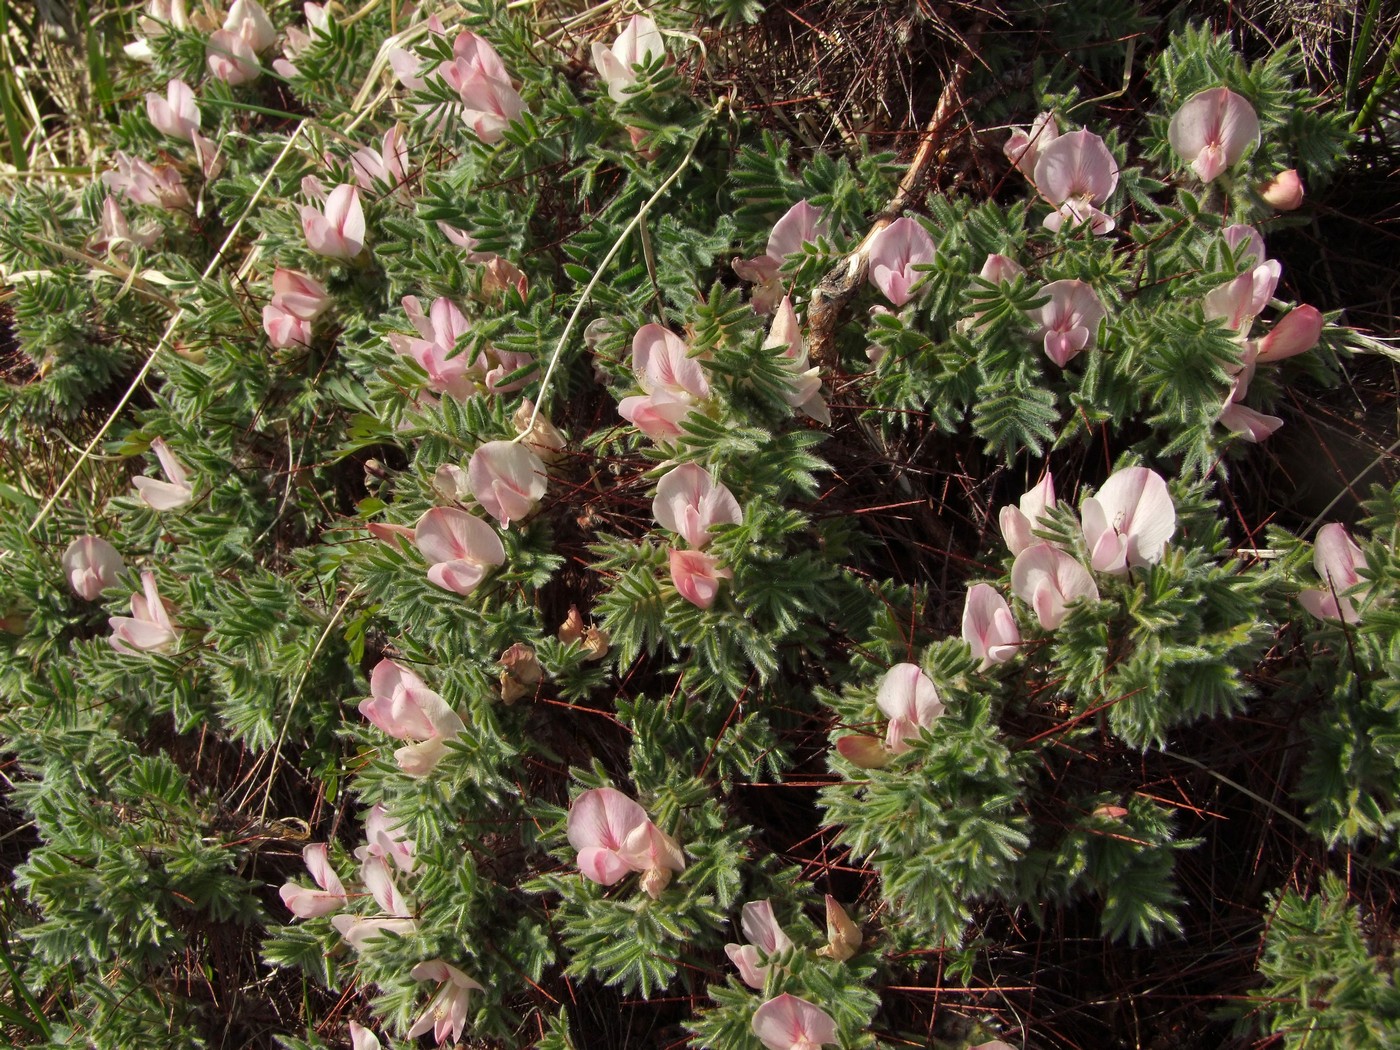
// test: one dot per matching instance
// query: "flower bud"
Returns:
(1284, 192)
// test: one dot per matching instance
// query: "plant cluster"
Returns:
(460, 560)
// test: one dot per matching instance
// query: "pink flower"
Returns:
(115, 232)
(362, 1038)
(91, 565)
(490, 103)
(800, 225)
(387, 166)
(137, 181)
(250, 21)
(231, 58)
(307, 903)
(613, 836)
(449, 371)
(148, 629)
(1069, 321)
(1284, 192)
(402, 706)
(764, 935)
(894, 252)
(1128, 521)
(169, 494)
(688, 502)
(395, 919)
(1018, 524)
(999, 269)
(160, 15)
(804, 391)
(664, 367)
(1339, 562)
(1077, 173)
(660, 422)
(988, 626)
(338, 232)
(1240, 419)
(285, 328)
(1025, 145)
(1213, 130)
(176, 115)
(911, 701)
(696, 576)
(1047, 579)
(507, 479)
(1296, 333)
(790, 1023)
(383, 838)
(1237, 302)
(638, 43)
(460, 548)
(446, 1015)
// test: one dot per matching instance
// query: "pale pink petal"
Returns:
(1213, 131)
(91, 564)
(689, 502)
(790, 1023)
(988, 626)
(1128, 521)
(800, 225)
(1048, 579)
(1297, 333)
(1076, 167)
(894, 252)
(696, 576)
(507, 479)
(446, 534)
(1284, 192)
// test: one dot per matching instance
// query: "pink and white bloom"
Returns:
(396, 918)
(250, 21)
(449, 371)
(175, 491)
(384, 838)
(338, 231)
(136, 180)
(696, 576)
(1297, 333)
(1018, 524)
(894, 252)
(507, 479)
(115, 232)
(1240, 418)
(176, 115)
(386, 166)
(1077, 173)
(1339, 561)
(800, 225)
(232, 58)
(1047, 579)
(910, 700)
(766, 938)
(460, 548)
(689, 502)
(988, 626)
(299, 293)
(307, 903)
(1128, 521)
(671, 379)
(1069, 321)
(489, 101)
(1284, 192)
(638, 43)
(91, 565)
(804, 391)
(790, 1023)
(362, 1038)
(298, 40)
(148, 629)
(1213, 131)
(402, 706)
(1025, 145)
(1239, 301)
(446, 1015)
(1000, 269)
(613, 836)
(284, 328)
(160, 16)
